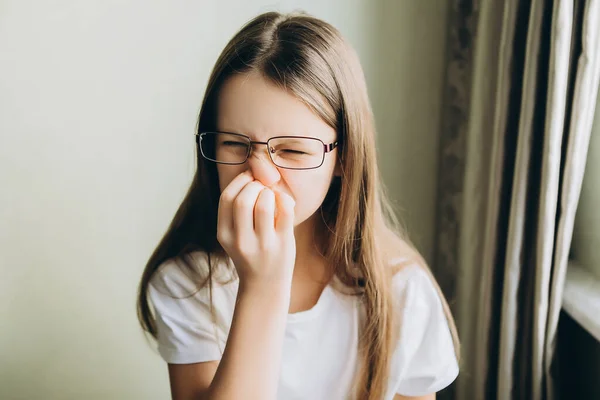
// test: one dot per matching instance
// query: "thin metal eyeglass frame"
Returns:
(326, 147)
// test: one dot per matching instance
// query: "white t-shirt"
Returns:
(320, 347)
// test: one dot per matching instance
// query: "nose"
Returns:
(262, 167)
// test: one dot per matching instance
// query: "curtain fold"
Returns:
(587, 81)
(519, 103)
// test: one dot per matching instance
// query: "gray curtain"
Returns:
(521, 88)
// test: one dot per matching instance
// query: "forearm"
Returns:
(250, 365)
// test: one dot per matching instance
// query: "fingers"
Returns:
(228, 196)
(247, 209)
(243, 209)
(264, 214)
(284, 221)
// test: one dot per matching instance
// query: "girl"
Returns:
(283, 274)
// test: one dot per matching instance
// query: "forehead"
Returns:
(251, 105)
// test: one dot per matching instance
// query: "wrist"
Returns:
(266, 293)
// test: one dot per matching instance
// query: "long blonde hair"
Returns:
(309, 58)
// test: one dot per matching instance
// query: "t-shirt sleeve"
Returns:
(424, 360)
(187, 332)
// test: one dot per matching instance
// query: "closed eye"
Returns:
(234, 144)
(294, 151)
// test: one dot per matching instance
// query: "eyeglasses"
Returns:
(291, 152)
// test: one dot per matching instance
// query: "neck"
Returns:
(310, 264)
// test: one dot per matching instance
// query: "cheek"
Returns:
(226, 174)
(309, 188)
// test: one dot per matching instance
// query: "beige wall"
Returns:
(405, 72)
(98, 103)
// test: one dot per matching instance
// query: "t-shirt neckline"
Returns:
(313, 312)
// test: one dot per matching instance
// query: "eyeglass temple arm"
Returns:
(331, 146)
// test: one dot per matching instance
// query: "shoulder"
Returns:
(413, 286)
(418, 301)
(185, 275)
(181, 289)
(424, 360)
(192, 317)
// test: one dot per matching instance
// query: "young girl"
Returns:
(283, 274)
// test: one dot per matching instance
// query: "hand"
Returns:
(255, 226)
